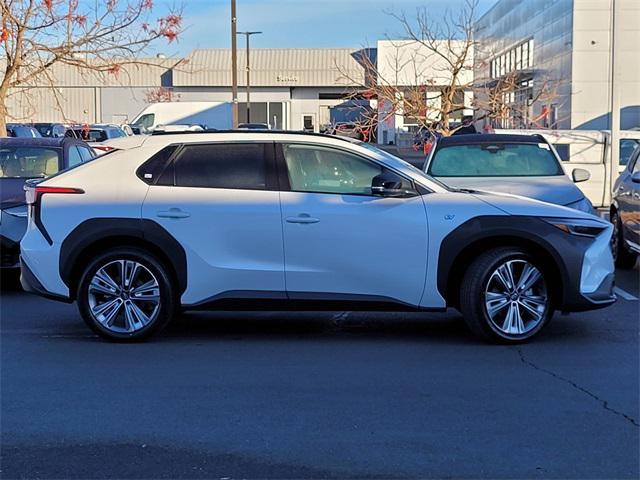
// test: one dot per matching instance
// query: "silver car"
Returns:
(518, 164)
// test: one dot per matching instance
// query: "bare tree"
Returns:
(102, 36)
(160, 95)
(430, 76)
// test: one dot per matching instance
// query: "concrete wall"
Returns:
(590, 64)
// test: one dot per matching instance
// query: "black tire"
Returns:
(167, 294)
(472, 295)
(623, 257)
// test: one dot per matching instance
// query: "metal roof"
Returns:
(287, 67)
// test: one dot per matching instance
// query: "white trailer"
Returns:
(587, 149)
(216, 115)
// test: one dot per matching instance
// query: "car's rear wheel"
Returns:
(623, 257)
(505, 297)
(126, 295)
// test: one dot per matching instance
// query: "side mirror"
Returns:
(388, 184)
(580, 175)
(635, 178)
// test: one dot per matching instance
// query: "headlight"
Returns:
(584, 205)
(578, 226)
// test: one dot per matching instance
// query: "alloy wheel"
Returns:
(124, 296)
(614, 236)
(516, 299)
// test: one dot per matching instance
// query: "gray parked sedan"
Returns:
(518, 164)
(625, 214)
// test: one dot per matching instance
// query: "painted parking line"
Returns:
(626, 295)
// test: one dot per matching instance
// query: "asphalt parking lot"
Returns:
(318, 395)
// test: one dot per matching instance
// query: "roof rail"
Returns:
(265, 132)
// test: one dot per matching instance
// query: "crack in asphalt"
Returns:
(605, 403)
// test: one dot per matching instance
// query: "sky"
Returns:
(299, 23)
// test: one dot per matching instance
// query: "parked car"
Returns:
(24, 131)
(293, 220)
(254, 126)
(96, 135)
(625, 214)
(348, 129)
(50, 129)
(588, 150)
(22, 159)
(519, 164)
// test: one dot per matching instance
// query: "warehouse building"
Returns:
(290, 88)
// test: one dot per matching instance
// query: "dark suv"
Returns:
(625, 214)
(22, 159)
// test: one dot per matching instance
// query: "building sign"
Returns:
(287, 79)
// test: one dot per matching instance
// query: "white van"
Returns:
(216, 115)
(587, 149)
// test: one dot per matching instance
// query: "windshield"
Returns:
(145, 120)
(400, 164)
(28, 162)
(45, 129)
(495, 160)
(88, 135)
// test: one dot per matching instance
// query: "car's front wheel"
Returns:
(623, 257)
(504, 296)
(126, 295)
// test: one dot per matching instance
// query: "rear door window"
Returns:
(224, 165)
(28, 162)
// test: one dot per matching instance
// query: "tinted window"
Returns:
(241, 166)
(26, 162)
(85, 153)
(154, 167)
(326, 170)
(627, 148)
(74, 156)
(116, 132)
(494, 160)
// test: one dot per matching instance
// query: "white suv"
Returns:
(267, 220)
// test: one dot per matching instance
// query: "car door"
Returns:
(629, 200)
(340, 240)
(220, 202)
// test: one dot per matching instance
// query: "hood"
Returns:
(518, 205)
(12, 192)
(558, 189)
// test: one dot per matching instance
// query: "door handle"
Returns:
(173, 213)
(303, 218)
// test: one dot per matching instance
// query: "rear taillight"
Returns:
(34, 195)
(103, 148)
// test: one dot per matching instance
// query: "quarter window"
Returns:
(74, 156)
(225, 165)
(318, 169)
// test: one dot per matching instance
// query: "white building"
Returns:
(566, 42)
(406, 64)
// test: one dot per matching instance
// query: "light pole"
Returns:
(234, 65)
(614, 116)
(248, 35)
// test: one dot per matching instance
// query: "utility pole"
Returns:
(248, 35)
(614, 118)
(234, 65)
